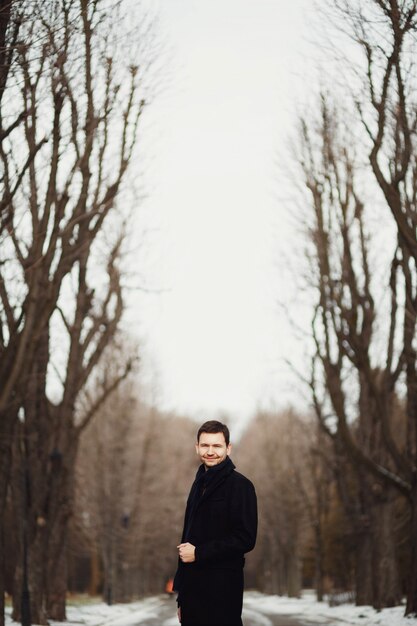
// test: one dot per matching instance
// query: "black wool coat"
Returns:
(221, 522)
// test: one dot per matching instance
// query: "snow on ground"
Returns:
(305, 608)
(100, 614)
(318, 612)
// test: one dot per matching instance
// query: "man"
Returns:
(219, 528)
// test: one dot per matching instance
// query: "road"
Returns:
(167, 617)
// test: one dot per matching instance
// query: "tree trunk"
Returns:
(61, 509)
(357, 507)
(36, 576)
(95, 574)
(411, 608)
(363, 568)
(319, 562)
(387, 592)
(42, 505)
(294, 573)
(29, 571)
(57, 583)
(108, 566)
(2, 568)
(7, 422)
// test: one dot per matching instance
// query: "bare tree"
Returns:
(9, 30)
(354, 399)
(80, 103)
(385, 99)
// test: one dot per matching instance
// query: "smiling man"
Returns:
(219, 528)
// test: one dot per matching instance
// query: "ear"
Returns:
(196, 447)
(229, 449)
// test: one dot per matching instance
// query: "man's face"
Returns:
(212, 448)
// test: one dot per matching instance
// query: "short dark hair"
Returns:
(213, 426)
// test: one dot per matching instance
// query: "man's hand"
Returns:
(186, 552)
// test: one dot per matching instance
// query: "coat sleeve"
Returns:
(242, 536)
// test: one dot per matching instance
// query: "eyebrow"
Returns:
(215, 445)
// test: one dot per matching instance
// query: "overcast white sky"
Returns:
(215, 340)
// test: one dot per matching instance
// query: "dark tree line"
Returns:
(70, 108)
(313, 529)
(130, 513)
(358, 166)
